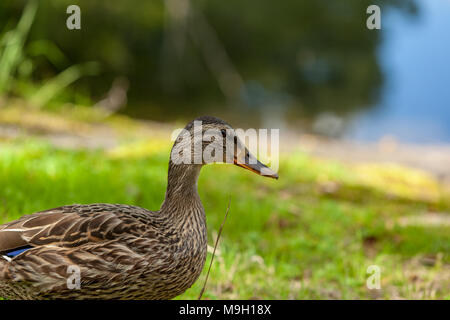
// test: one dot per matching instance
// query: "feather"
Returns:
(16, 252)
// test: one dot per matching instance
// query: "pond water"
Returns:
(415, 58)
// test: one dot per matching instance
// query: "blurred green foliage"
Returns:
(17, 64)
(183, 56)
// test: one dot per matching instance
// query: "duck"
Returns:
(121, 251)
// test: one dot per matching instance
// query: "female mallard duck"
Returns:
(120, 251)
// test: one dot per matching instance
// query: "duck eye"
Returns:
(224, 133)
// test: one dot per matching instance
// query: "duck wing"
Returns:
(71, 226)
(114, 247)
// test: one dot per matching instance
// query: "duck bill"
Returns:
(256, 167)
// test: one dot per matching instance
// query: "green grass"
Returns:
(310, 235)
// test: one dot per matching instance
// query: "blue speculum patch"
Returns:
(16, 252)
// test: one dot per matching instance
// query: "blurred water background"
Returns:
(303, 65)
(414, 105)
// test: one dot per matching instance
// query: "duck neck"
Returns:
(181, 192)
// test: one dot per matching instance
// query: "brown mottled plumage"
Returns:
(122, 251)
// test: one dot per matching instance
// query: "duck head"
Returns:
(208, 140)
